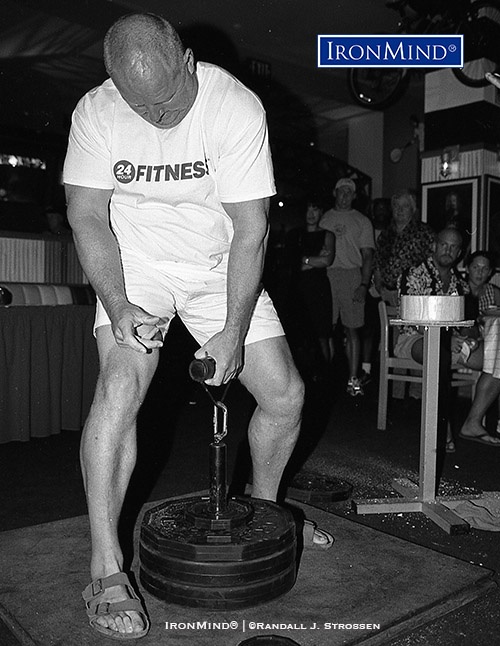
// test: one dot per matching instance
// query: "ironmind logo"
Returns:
(125, 172)
(390, 51)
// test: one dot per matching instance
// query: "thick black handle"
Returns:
(202, 369)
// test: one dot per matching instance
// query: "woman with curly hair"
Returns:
(405, 243)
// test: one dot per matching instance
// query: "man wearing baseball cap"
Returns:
(350, 272)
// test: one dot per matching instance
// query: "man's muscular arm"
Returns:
(88, 215)
(245, 266)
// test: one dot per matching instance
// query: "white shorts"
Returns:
(405, 343)
(196, 294)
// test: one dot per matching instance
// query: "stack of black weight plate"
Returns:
(234, 568)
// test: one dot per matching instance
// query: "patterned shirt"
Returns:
(488, 299)
(425, 280)
(398, 251)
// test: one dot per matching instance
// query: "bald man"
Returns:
(435, 276)
(168, 177)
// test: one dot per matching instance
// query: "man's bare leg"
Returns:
(108, 455)
(271, 377)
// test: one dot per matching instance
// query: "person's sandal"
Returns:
(311, 530)
(96, 608)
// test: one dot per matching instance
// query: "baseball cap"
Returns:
(345, 181)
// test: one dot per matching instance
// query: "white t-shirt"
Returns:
(353, 232)
(169, 185)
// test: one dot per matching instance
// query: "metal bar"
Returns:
(218, 479)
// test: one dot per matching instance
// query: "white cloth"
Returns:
(482, 513)
(169, 184)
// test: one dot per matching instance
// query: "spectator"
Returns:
(467, 346)
(435, 276)
(57, 224)
(350, 272)
(480, 268)
(405, 243)
(311, 250)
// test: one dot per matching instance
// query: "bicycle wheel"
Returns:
(376, 88)
(481, 32)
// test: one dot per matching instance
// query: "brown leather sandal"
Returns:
(96, 608)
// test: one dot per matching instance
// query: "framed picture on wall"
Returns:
(453, 203)
(492, 210)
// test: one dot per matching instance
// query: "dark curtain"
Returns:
(48, 369)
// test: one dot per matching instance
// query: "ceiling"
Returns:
(51, 53)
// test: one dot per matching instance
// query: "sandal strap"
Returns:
(106, 608)
(95, 607)
(96, 588)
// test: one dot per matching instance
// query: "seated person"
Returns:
(480, 267)
(435, 276)
(467, 347)
(405, 243)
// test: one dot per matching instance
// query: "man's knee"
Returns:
(282, 396)
(122, 384)
(288, 398)
(272, 378)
